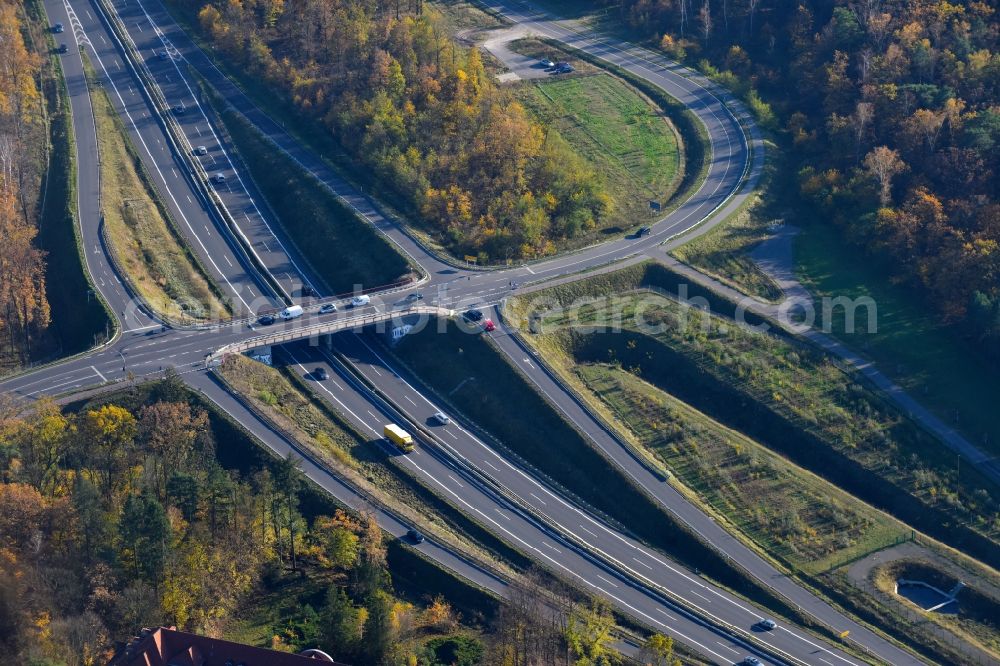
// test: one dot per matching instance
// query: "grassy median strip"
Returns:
(364, 463)
(157, 263)
(341, 248)
(627, 140)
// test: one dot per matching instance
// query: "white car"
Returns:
(358, 301)
(442, 418)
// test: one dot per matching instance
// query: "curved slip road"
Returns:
(732, 165)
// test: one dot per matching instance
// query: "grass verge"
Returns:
(911, 345)
(478, 384)
(342, 249)
(694, 136)
(79, 318)
(723, 251)
(281, 395)
(792, 399)
(628, 141)
(790, 513)
(158, 264)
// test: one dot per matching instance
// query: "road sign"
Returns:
(471, 258)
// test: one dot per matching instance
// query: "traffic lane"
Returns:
(239, 197)
(641, 562)
(148, 135)
(672, 501)
(307, 159)
(343, 492)
(88, 180)
(510, 525)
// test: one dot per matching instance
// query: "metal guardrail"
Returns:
(362, 494)
(281, 337)
(180, 145)
(515, 334)
(492, 487)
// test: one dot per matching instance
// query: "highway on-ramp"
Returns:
(640, 578)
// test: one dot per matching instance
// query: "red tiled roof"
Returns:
(168, 647)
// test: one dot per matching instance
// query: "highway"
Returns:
(537, 521)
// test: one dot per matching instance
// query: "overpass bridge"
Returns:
(334, 325)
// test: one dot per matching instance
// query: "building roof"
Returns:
(166, 646)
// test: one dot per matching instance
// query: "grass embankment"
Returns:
(792, 399)
(628, 141)
(79, 320)
(976, 616)
(478, 383)
(320, 430)
(157, 263)
(911, 345)
(789, 512)
(341, 248)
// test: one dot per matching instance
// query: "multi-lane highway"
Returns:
(141, 56)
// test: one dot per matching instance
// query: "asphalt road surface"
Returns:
(550, 529)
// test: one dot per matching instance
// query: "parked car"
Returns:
(328, 308)
(57, 28)
(415, 536)
(63, 48)
(358, 301)
(266, 320)
(321, 374)
(547, 64)
(442, 418)
(200, 150)
(489, 326)
(473, 315)
(767, 624)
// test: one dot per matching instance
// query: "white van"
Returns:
(291, 312)
(358, 301)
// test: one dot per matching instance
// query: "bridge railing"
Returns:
(323, 328)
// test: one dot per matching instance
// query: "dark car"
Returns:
(473, 315)
(415, 536)
(57, 28)
(415, 297)
(643, 231)
(63, 48)
(180, 109)
(321, 374)
(266, 320)
(564, 69)
(308, 291)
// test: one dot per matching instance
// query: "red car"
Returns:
(488, 325)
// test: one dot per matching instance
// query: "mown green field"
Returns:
(629, 142)
(911, 345)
